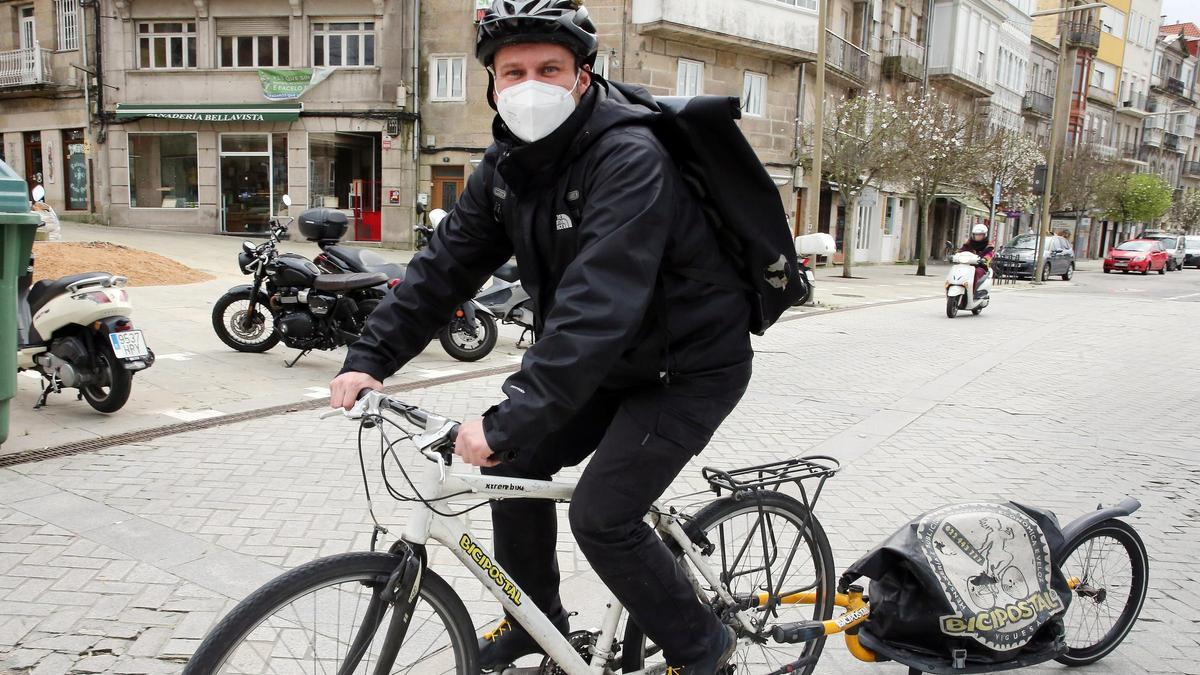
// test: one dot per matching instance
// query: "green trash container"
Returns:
(18, 226)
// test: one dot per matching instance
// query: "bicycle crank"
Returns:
(582, 641)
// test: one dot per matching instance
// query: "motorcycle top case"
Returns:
(323, 224)
(978, 578)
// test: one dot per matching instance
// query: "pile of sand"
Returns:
(58, 259)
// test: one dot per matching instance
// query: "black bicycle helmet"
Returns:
(563, 22)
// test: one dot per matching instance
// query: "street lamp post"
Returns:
(818, 149)
(1058, 121)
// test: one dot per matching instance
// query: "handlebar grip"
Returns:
(453, 435)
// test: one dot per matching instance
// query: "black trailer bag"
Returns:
(967, 588)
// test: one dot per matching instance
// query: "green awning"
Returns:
(212, 112)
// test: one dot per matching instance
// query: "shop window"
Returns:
(446, 78)
(75, 167)
(162, 171)
(254, 51)
(344, 44)
(754, 93)
(166, 44)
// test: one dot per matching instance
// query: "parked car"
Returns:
(1174, 245)
(1017, 257)
(1191, 251)
(1138, 255)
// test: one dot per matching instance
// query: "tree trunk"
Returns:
(848, 242)
(922, 234)
(1087, 246)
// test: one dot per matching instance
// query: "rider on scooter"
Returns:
(980, 246)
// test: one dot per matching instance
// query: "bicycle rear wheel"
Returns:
(765, 544)
(305, 621)
(1110, 563)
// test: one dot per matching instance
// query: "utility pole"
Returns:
(1058, 119)
(818, 150)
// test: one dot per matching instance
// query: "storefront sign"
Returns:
(387, 142)
(283, 84)
(213, 112)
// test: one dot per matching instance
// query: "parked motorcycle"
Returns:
(75, 331)
(471, 333)
(808, 247)
(291, 299)
(960, 284)
(423, 230)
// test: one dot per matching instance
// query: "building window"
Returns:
(1112, 21)
(690, 81)
(254, 51)
(914, 28)
(162, 171)
(754, 94)
(345, 43)
(804, 4)
(66, 13)
(167, 44)
(446, 78)
(601, 66)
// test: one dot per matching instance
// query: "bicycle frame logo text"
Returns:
(494, 573)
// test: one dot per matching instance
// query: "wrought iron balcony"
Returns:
(845, 57)
(905, 59)
(1038, 104)
(1171, 141)
(1083, 35)
(25, 67)
(1191, 169)
(1134, 103)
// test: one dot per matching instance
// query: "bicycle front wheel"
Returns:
(764, 544)
(1109, 563)
(306, 620)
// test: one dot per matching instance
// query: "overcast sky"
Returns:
(1181, 10)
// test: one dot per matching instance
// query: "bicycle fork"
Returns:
(399, 592)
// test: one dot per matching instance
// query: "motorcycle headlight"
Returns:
(245, 259)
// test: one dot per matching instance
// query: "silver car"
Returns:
(1191, 250)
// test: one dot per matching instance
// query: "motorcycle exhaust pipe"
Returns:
(53, 365)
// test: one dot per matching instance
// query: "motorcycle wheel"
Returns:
(951, 306)
(458, 342)
(228, 322)
(112, 391)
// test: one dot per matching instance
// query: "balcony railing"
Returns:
(1171, 141)
(905, 59)
(844, 56)
(1152, 137)
(1102, 95)
(1083, 35)
(1037, 103)
(784, 29)
(1170, 84)
(25, 67)
(1191, 169)
(1135, 102)
(961, 78)
(1129, 151)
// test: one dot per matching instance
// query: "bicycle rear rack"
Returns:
(744, 481)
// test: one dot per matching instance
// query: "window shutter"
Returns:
(267, 25)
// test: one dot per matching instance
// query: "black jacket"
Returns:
(609, 311)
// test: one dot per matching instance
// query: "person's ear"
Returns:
(585, 79)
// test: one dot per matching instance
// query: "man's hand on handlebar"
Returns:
(472, 446)
(344, 389)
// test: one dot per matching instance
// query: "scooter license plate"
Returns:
(129, 344)
(810, 276)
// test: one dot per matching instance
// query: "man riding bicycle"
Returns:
(635, 364)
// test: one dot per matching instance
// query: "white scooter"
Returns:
(808, 247)
(960, 284)
(75, 332)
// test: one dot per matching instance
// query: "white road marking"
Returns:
(191, 415)
(1180, 297)
(431, 374)
(31, 374)
(181, 356)
(316, 392)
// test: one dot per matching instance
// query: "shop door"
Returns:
(75, 167)
(33, 158)
(447, 186)
(245, 182)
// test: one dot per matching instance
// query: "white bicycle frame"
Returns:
(424, 524)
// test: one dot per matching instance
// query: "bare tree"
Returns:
(1078, 180)
(938, 151)
(863, 145)
(1185, 212)
(1008, 158)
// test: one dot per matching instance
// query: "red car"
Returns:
(1138, 255)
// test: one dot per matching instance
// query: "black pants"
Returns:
(642, 438)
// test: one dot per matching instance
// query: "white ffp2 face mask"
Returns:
(534, 109)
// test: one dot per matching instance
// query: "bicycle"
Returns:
(757, 556)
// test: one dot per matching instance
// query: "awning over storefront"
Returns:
(212, 112)
(967, 202)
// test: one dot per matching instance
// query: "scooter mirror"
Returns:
(39, 193)
(436, 216)
(287, 200)
(248, 247)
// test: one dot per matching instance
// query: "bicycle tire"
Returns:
(1124, 535)
(230, 633)
(721, 510)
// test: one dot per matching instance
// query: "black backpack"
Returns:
(737, 196)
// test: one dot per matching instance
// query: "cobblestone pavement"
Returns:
(119, 561)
